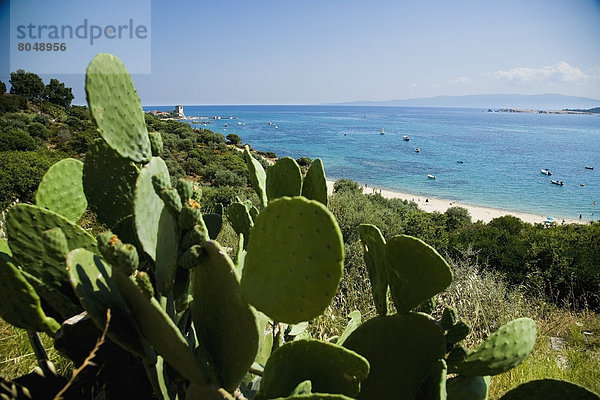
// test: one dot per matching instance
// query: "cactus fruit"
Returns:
(190, 215)
(171, 199)
(258, 176)
(185, 188)
(240, 220)
(225, 323)
(21, 305)
(127, 259)
(156, 143)
(56, 244)
(502, 350)
(91, 280)
(457, 332)
(330, 368)
(25, 225)
(314, 186)
(195, 236)
(191, 257)
(61, 189)
(116, 108)
(469, 388)
(374, 254)
(108, 244)
(449, 317)
(108, 183)
(142, 280)
(294, 260)
(549, 389)
(401, 357)
(284, 179)
(415, 271)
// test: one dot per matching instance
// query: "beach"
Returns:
(478, 213)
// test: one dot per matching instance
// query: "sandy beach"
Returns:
(485, 214)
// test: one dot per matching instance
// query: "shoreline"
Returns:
(485, 214)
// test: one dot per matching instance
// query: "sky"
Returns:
(321, 51)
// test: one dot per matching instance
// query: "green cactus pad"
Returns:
(240, 220)
(155, 227)
(284, 179)
(91, 280)
(502, 350)
(550, 389)
(449, 317)
(159, 330)
(329, 367)
(116, 108)
(56, 244)
(294, 260)
(4, 247)
(225, 323)
(61, 189)
(374, 254)
(401, 350)
(258, 176)
(353, 324)
(463, 387)
(156, 143)
(108, 182)
(60, 303)
(265, 338)
(314, 186)
(185, 188)
(25, 227)
(458, 332)
(21, 305)
(415, 271)
(315, 396)
(434, 387)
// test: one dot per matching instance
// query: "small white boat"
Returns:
(382, 132)
(460, 162)
(417, 150)
(405, 138)
(589, 167)
(431, 176)
(559, 183)
(546, 172)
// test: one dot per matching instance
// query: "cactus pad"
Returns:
(502, 350)
(4, 247)
(415, 271)
(315, 396)
(294, 260)
(91, 280)
(374, 254)
(314, 186)
(240, 220)
(21, 305)
(159, 330)
(225, 323)
(401, 350)
(353, 324)
(329, 367)
(258, 176)
(463, 387)
(116, 108)
(61, 189)
(550, 389)
(108, 182)
(25, 227)
(284, 179)
(156, 143)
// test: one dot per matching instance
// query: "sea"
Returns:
(478, 157)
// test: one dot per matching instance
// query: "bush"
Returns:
(457, 217)
(225, 177)
(234, 139)
(38, 130)
(342, 185)
(304, 161)
(16, 139)
(12, 104)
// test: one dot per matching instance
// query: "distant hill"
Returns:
(548, 101)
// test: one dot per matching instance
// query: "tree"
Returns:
(26, 84)
(457, 217)
(234, 139)
(56, 92)
(2, 87)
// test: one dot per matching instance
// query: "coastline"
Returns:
(485, 214)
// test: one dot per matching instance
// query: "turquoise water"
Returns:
(502, 153)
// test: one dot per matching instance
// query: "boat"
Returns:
(382, 132)
(405, 138)
(582, 184)
(546, 172)
(431, 176)
(589, 167)
(559, 183)
(417, 150)
(459, 161)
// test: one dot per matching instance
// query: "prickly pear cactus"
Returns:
(258, 176)
(549, 389)
(314, 186)
(415, 272)
(116, 108)
(294, 260)
(21, 305)
(329, 367)
(502, 350)
(374, 254)
(284, 179)
(463, 387)
(239, 218)
(61, 189)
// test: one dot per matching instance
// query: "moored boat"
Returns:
(589, 167)
(417, 150)
(559, 183)
(405, 138)
(431, 176)
(382, 132)
(546, 172)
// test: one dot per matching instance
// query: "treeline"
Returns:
(561, 262)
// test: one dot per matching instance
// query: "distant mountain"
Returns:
(548, 101)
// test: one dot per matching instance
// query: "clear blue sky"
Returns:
(314, 51)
